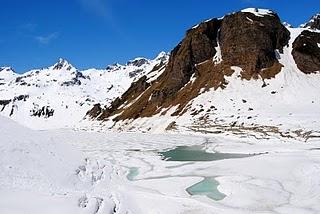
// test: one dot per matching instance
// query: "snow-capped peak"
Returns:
(113, 67)
(258, 12)
(6, 75)
(62, 64)
(286, 24)
(313, 23)
(59, 96)
(138, 62)
(162, 56)
(7, 70)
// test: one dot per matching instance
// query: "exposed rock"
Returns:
(12, 110)
(138, 62)
(7, 69)
(306, 51)
(21, 98)
(115, 66)
(95, 111)
(132, 93)
(4, 103)
(135, 73)
(163, 56)
(198, 46)
(76, 80)
(250, 41)
(62, 63)
(243, 39)
(19, 79)
(45, 112)
(72, 82)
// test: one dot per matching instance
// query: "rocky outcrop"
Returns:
(205, 56)
(44, 111)
(21, 98)
(7, 69)
(138, 62)
(132, 93)
(4, 103)
(250, 42)
(62, 64)
(95, 111)
(76, 80)
(306, 51)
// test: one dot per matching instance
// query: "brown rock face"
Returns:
(306, 51)
(95, 111)
(250, 41)
(132, 93)
(198, 46)
(246, 40)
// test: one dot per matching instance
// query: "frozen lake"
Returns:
(91, 173)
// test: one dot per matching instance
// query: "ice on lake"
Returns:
(197, 153)
(208, 187)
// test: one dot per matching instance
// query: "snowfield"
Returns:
(65, 171)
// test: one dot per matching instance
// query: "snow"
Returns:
(312, 20)
(258, 12)
(86, 172)
(284, 106)
(250, 20)
(205, 21)
(34, 170)
(68, 92)
(286, 24)
(218, 56)
(6, 75)
(196, 26)
(79, 172)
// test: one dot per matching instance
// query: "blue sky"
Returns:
(95, 33)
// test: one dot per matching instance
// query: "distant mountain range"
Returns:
(245, 72)
(59, 96)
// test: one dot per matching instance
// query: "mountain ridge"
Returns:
(213, 56)
(232, 72)
(59, 96)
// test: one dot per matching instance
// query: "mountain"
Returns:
(313, 23)
(6, 75)
(59, 96)
(243, 72)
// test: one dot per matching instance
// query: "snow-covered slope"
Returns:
(258, 11)
(59, 96)
(286, 104)
(34, 171)
(6, 75)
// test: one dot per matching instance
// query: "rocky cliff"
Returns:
(248, 39)
(245, 71)
(306, 51)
